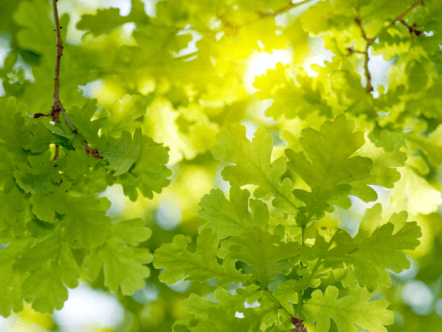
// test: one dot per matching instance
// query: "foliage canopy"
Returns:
(141, 99)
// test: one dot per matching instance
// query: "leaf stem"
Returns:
(270, 295)
(301, 293)
(317, 265)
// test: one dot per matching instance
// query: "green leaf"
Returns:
(10, 279)
(253, 317)
(381, 247)
(200, 307)
(408, 192)
(38, 175)
(330, 164)
(43, 207)
(347, 311)
(232, 217)
(81, 120)
(86, 223)
(7, 168)
(253, 165)
(13, 215)
(55, 251)
(122, 154)
(52, 267)
(123, 265)
(264, 253)
(386, 156)
(289, 99)
(131, 231)
(37, 32)
(149, 174)
(201, 265)
(163, 41)
(374, 249)
(106, 20)
(46, 289)
(19, 136)
(125, 113)
(287, 294)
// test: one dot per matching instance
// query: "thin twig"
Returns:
(263, 15)
(401, 16)
(57, 106)
(94, 152)
(412, 30)
(56, 153)
(299, 325)
(59, 54)
(282, 10)
(370, 41)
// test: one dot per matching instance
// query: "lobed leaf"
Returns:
(253, 165)
(264, 253)
(201, 265)
(347, 311)
(330, 164)
(227, 218)
(123, 264)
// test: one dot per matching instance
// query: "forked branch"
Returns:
(57, 105)
(369, 41)
(401, 16)
(261, 15)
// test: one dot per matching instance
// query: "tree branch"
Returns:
(370, 41)
(401, 16)
(263, 15)
(59, 54)
(412, 30)
(56, 153)
(282, 10)
(94, 152)
(57, 106)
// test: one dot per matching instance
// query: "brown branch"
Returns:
(369, 41)
(282, 10)
(94, 152)
(299, 326)
(56, 153)
(59, 54)
(412, 30)
(262, 16)
(56, 157)
(57, 106)
(351, 51)
(401, 16)
(37, 115)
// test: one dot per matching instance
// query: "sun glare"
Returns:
(259, 62)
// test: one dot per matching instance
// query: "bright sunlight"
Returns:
(259, 62)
